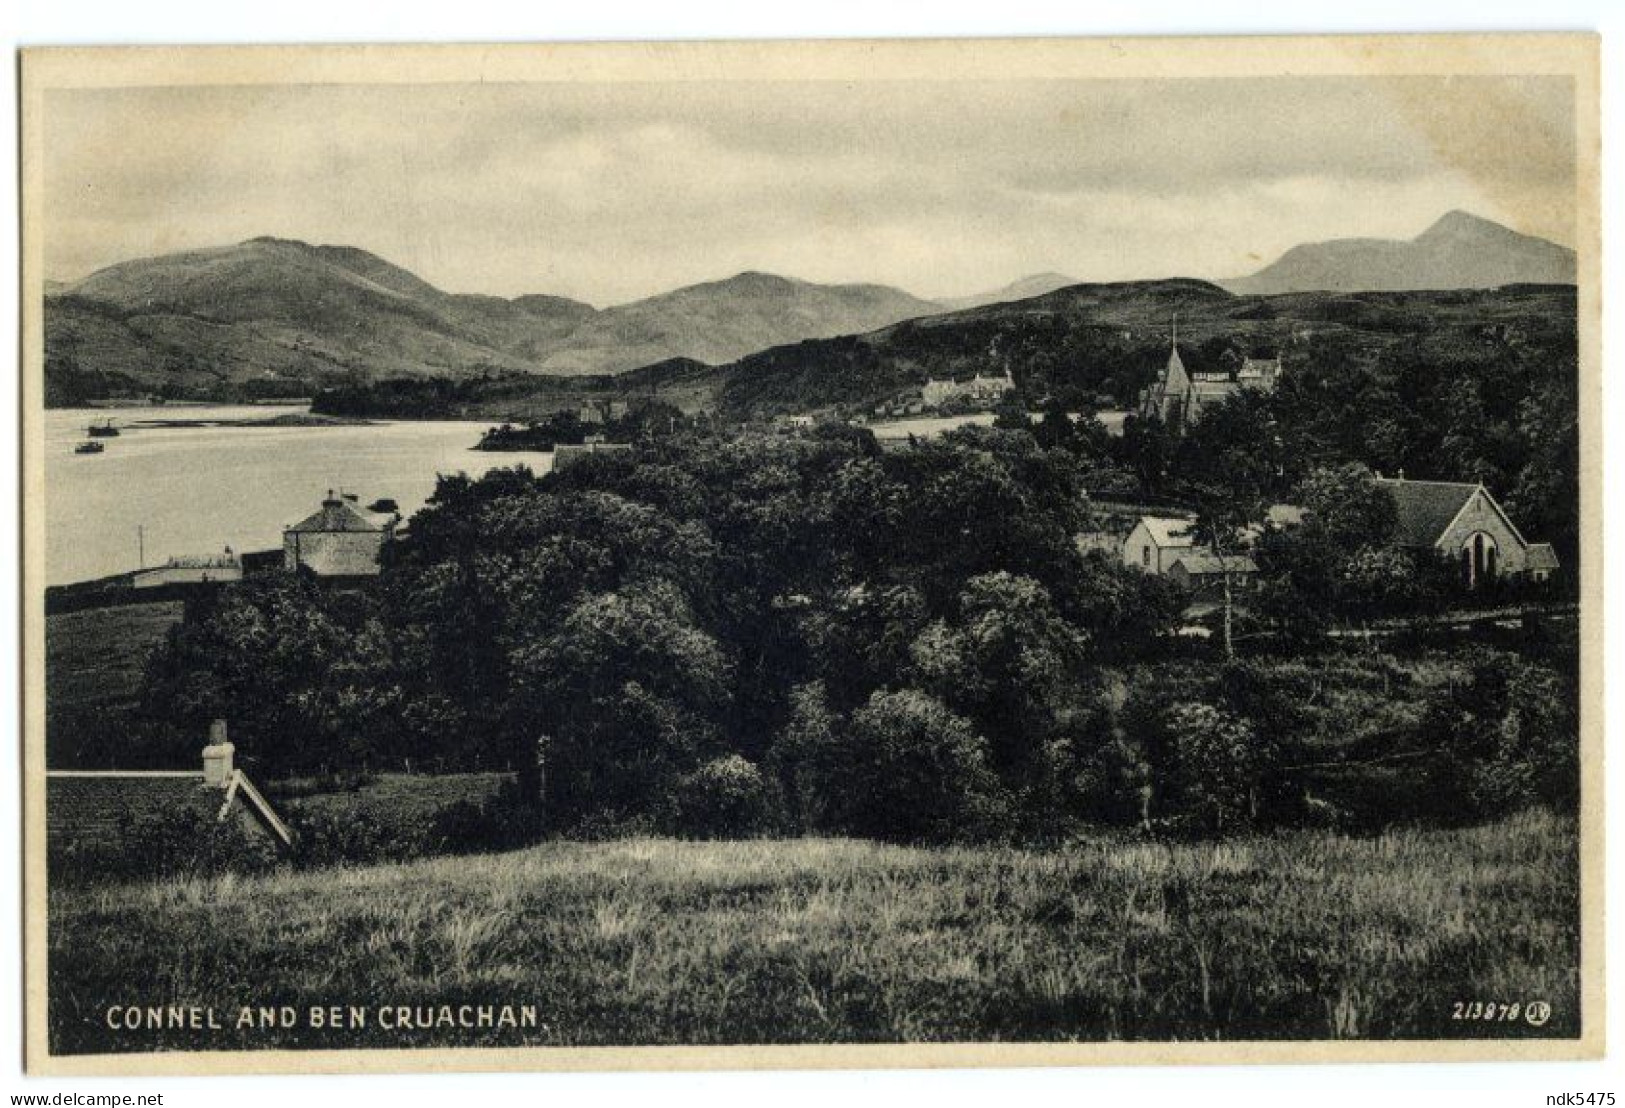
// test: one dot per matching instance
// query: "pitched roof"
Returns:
(1167, 531)
(1174, 378)
(99, 805)
(257, 805)
(1540, 555)
(1425, 508)
(1201, 564)
(341, 515)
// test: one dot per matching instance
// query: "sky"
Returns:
(609, 192)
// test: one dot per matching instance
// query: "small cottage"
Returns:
(87, 812)
(1198, 569)
(1167, 546)
(190, 571)
(1157, 541)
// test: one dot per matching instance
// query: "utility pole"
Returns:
(140, 547)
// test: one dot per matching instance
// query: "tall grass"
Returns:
(95, 659)
(1302, 935)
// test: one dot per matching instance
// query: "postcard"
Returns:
(812, 554)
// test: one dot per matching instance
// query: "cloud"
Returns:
(614, 191)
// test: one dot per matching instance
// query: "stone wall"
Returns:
(333, 553)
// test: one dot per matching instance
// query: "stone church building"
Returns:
(1178, 396)
(1464, 523)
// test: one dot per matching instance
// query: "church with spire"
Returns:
(1177, 397)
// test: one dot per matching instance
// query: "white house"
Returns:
(1157, 542)
(190, 571)
(1164, 545)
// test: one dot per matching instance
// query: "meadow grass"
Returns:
(95, 659)
(1305, 935)
(404, 801)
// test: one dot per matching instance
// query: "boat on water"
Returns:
(104, 430)
(90, 447)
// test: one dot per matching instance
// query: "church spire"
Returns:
(1175, 380)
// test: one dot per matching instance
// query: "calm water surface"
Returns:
(196, 490)
(925, 427)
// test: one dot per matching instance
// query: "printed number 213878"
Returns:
(1535, 1012)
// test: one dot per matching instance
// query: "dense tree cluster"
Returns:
(804, 633)
(566, 427)
(763, 633)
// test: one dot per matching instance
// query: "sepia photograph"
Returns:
(813, 554)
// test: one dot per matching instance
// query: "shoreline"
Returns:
(291, 419)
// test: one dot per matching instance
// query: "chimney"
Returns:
(217, 757)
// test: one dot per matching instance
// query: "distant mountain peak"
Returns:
(1459, 251)
(273, 240)
(1022, 288)
(717, 322)
(754, 279)
(1046, 277)
(1456, 217)
(1457, 224)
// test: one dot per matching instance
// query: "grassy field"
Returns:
(94, 659)
(393, 817)
(410, 799)
(1303, 935)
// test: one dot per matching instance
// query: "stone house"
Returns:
(1165, 546)
(979, 391)
(343, 539)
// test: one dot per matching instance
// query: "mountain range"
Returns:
(277, 317)
(723, 320)
(1460, 251)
